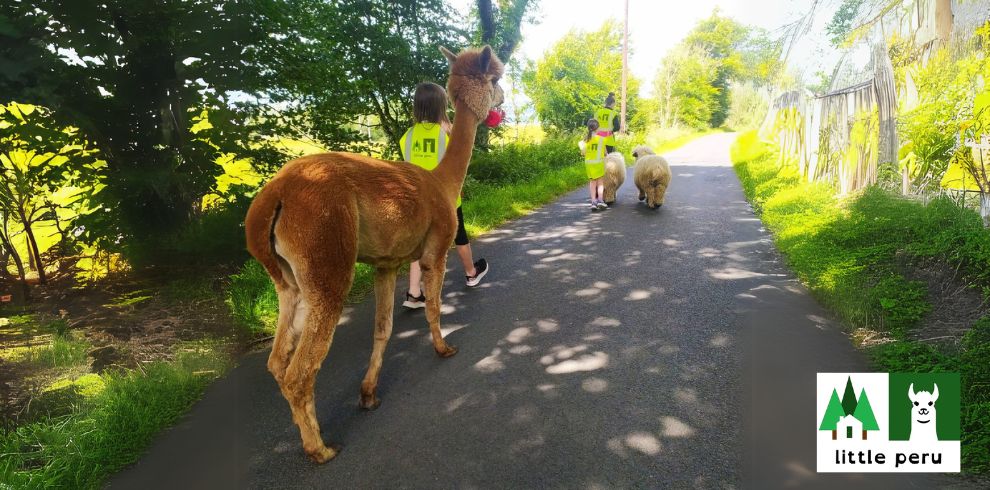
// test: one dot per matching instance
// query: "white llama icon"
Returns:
(923, 414)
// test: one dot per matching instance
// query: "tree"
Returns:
(722, 39)
(346, 67)
(575, 75)
(50, 176)
(864, 413)
(500, 28)
(685, 87)
(841, 24)
(129, 74)
(694, 82)
(849, 398)
(833, 412)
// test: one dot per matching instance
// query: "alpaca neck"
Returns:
(453, 167)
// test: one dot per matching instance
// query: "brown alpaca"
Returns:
(322, 213)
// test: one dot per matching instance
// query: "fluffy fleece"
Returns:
(615, 175)
(651, 175)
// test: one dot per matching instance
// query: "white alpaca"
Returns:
(615, 175)
(651, 175)
(923, 414)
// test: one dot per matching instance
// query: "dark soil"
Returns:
(956, 304)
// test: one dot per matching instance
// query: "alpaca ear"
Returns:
(935, 394)
(485, 59)
(911, 392)
(451, 57)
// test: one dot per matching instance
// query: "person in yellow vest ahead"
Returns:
(424, 145)
(593, 146)
(608, 121)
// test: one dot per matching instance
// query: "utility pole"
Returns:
(625, 61)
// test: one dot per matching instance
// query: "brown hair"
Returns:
(592, 127)
(430, 104)
(610, 100)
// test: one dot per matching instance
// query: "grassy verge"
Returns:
(115, 417)
(505, 183)
(848, 253)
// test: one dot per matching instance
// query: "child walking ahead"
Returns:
(424, 145)
(594, 164)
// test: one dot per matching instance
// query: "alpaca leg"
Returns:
(384, 298)
(291, 314)
(323, 277)
(287, 332)
(300, 377)
(642, 195)
(433, 281)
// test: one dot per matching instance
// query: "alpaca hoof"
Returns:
(642, 198)
(369, 402)
(323, 454)
(449, 351)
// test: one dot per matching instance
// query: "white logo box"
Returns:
(877, 454)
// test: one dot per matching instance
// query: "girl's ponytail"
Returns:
(592, 127)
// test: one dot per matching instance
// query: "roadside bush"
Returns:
(214, 237)
(518, 162)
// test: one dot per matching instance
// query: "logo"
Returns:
(898, 422)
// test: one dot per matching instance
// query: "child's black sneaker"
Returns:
(414, 303)
(480, 269)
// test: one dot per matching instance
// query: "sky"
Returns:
(655, 26)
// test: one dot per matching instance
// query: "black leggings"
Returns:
(461, 238)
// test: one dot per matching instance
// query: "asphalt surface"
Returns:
(623, 348)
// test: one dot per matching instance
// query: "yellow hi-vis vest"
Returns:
(604, 115)
(594, 157)
(424, 145)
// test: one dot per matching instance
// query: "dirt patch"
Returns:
(126, 322)
(956, 305)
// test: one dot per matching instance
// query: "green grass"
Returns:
(508, 182)
(63, 351)
(846, 251)
(114, 418)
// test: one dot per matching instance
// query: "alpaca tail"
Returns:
(259, 227)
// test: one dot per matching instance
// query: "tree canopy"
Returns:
(129, 74)
(694, 80)
(575, 75)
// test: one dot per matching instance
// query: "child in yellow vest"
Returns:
(424, 145)
(593, 146)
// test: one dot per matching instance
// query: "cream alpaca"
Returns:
(651, 175)
(615, 175)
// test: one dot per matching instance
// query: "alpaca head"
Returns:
(923, 405)
(641, 151)
(474, 76)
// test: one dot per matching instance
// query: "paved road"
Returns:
(626, 348)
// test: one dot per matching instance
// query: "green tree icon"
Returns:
(849, 398)
(832, 414)
(864, 413)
